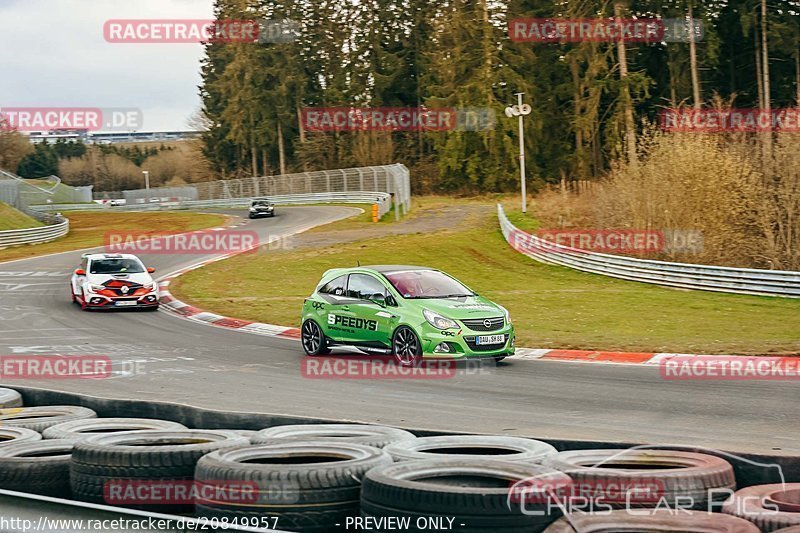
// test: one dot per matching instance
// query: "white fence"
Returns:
(41, 234)
(684, 275)
(341, 184)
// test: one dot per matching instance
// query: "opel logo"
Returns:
(487, 323)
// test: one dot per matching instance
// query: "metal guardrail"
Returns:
(684, 275)
(38, 235)
(384, 201)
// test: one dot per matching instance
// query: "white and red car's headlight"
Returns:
(151, 287)
(96, 288)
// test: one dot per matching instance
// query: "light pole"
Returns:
(520, 110)
(147, 184)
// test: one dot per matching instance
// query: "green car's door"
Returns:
(374, 320)
(335, 315)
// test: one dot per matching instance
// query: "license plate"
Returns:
(134, 302)
(490, 339)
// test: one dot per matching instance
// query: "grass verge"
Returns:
(11, 218)
(552, 307)
(87, 229)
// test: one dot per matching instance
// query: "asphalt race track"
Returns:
(182, 361)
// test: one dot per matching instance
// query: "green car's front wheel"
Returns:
(406, 347)
(313, 339)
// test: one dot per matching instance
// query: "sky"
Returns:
(53, 54)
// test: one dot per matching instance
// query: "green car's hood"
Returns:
(459, 308)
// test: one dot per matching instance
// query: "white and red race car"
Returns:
(106, 281)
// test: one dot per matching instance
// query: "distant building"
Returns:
(99, 137)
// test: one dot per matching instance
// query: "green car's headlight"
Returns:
(438, 321)
(505, 314)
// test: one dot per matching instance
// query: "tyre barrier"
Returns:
(37, 467)
(514, 449)
(470, 495)
(9, 398)
(10, 436)
(107, 468)
(80, 429)
(660, 520)
(413, 492)
(649, 477)
(369, 435)
(41, 418)
(770, 507)
(307, 486)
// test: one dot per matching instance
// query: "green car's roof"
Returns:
(385, 269)
(378, 269)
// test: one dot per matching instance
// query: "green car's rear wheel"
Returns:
(313, 339)
(406, 347)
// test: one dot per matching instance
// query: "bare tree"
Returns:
(693, 60)
(627, 102)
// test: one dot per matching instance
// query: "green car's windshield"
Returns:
(426, 284)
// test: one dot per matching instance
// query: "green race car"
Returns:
(407, 311)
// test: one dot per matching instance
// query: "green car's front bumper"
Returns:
(462, 343)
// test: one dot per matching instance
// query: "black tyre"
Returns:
(369, 435)
(308, 486)
(406, 347)
(10, 398)
(313, 339)
(770, 507)
(80, 429)
(16, 435)
(657, 520)
(104, 466)
(651, 477)
(477, 447)
(37, 467)
(476, 494)
(41, 418)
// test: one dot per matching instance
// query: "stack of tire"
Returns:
(773, 507)
(307, 477)
(310, 477)
(150, 470)
(28, 463)
(685, 486)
